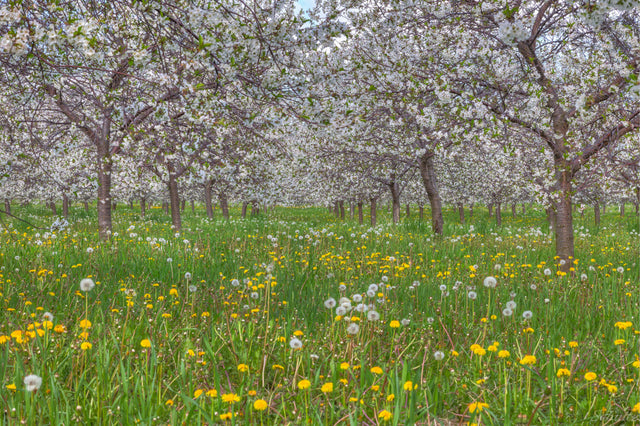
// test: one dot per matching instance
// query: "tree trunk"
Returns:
(165, 207)
(174, 198)
(255, 209)
(105, 165)
(244, 209)
(524, 208)
(564, 218)
(596, 213)
(604, 208)
(224, 205)
(65, 206)
(461, 212)
(471, 210)
(86, 206)
(114, 206)
(499, 214)
(374, 219)
(428, 174)
(143, 207)
(513, 209)
(408, 213)
(395, 205)
(622, 209)
(183, 204)
(54, 209)
(551, 217)
(360, 213)
(131, 203)
(421, 212)
(207, 198)
(352, 209)
(7, 205)
(490, 208)
(336, 209)
(341, 204)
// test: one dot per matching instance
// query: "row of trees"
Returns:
(475, 101)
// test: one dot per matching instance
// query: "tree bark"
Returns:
(622, 209)
(564, 218)
(255, 209)
(604, 208)
(395, 201)
(551, 217)
(207, 198)
(54, 209)
(490, 208)
(524, 208)
(499, 214)
(7, 205)
(336, 209)
(428, 174)
(174, 198)
(421, 212)
(105, 165)
(165, 207)
(596, 213)
(131, 203)
(244, 209)
(65, 206)
(86, 206)
(183, 204)
(374, 219)
(341, 204)
(513, 209)
(461, 212)
(224, 205)
(408, 213)
(114, 206)
(360, 213)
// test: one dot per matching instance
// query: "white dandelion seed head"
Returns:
(357, 298)
(511, 304)
(562, 262)
(295, 343)
(371, 293)
(490, 282)
(430, 320)
(373, 287)
(169, 260)
(583, 277)
(373, 315)
(32, 382)
(547, 272)
(47, 316)
(620, 269)
(507, 312)
(416, 283)
(592, 268)
(361, 307)
(342, 287)
(187, 276)
(527, 315)
(193, 288)
(341, 311)
(330, 303)
(533, 287)
(497, 267)
(353, 328)
(443, 287)
(343, 300)
(438, 355)
(385, 278)
(89, 250)
(235, 282)
(405, 321)
(87, 284)
(255, 295)
(472, 295)
(547, 300)
(512, 294)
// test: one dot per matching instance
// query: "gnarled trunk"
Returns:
(207, 198)
(174, 199)
(428, 174)
(499, 214)
(564, 218)
(105, 165)
(224, 205)
(245, 204)
(65, 205)
(395, 202)
(596, 213)
(374, 219)
(7, 205)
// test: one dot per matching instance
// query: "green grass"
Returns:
(198, 339)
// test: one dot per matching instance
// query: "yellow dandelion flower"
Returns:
(619, 342)
(504, 354)
(391, 397)
(243, 368)
(212, 393)
(145, 343)
(304, 384)
(528, 360)
(385, 415)
(477, 406)
(327, 387)
(85, 346)
(197, 393)
(260, 405)
(590, 376)
(344, 366)
(85, 323)
(376, 370)
(408, 385)
(230, 398)
(394, 324)
(563, 372)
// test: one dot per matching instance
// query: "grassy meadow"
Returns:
(294, 317)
